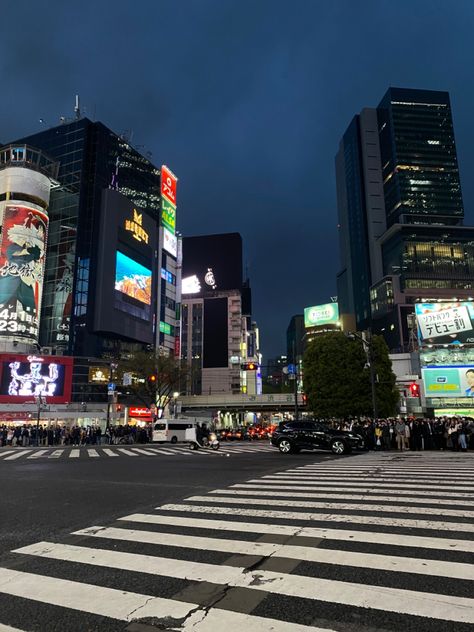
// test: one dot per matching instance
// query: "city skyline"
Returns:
(251, 131)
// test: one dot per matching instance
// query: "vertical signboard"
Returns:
(168, 199)
(22, 256)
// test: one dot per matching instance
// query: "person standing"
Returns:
(400, 433)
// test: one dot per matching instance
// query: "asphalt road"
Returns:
(253, 542)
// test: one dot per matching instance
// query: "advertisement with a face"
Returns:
(445, 323)
(22, 255)
(448, 381)
(24, 378)
(320, 315)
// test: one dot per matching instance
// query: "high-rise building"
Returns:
(218, 336)
(112, 272)
(400, 213)
(295, 339)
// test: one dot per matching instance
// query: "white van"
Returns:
(171, 430)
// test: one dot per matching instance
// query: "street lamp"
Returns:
(175, 404)
(366, 339)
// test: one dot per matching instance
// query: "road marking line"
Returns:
(74, 454)
(92, 452)
(106, 602)
(401, 601)
(203, 523)
(315, 479)
(7, 628)
(141, 451)
(368, 505)
(360, 497)
(217, 619)
(323, 517)
(37, 454)
(161, 451)
(370, 537)
(356, 490)
(419, 566)
(16, 455)
(384, 472)
(109, 452)
(127, 452)
(55, 454)
(388, 485)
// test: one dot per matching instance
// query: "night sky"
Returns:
(246, 101)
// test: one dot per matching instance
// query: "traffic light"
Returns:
(414, 390)
(249, 366)
(151, 380)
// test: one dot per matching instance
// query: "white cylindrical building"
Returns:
(26, 178)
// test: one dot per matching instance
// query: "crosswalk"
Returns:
(32, 454)
(374, 542)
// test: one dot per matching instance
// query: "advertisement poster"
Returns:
(170, 243)
(319, 315)
(444, 323)
(133, 279)
(22, 255)
(64, 282)
(448, 381)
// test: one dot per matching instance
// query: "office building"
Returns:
(112, 271)
(400, 214)
(217, 337)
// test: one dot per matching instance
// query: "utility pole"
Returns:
(367, 342)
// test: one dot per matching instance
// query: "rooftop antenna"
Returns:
(77, 108)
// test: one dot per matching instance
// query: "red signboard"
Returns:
(177, 347)
(24, 378)
(136, 411)
(168, 184)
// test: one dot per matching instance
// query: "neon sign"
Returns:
(35, 382)
(135, 226)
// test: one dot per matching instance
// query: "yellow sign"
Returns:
(135, 227)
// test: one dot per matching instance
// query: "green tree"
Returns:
(337, 377)
(152, 378)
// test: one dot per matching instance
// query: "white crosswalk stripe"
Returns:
(286, 538)
(131, 450)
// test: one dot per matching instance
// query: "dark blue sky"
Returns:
(246, 101)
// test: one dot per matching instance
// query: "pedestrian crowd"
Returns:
(442, 433)
(76, 435)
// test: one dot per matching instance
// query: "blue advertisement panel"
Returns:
(448, 381)
(133, 279)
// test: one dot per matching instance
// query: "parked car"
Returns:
(293, 436)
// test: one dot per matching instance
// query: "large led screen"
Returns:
(25, 377)
(319, 315)
(133, 279)
(444, 323)
(448, 381)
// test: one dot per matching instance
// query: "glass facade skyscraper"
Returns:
(398, 180)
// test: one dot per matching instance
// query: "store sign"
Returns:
(190, 285)
(319, 315)
(22, 256)
(135, 226)
(165, 328)
(168, 215)
(23, 378)
(448, 381)
(167, 276)
(168, 185)
(136, 411)
(445, 323)
(170, 243)
(98, 375)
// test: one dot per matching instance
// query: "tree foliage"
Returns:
(154, 377)
(337, 377)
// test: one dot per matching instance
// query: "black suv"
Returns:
(293, 436)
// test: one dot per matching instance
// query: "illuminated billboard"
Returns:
(445, 323)
(132, 279)
(170, 243)
(319, 315)
(22, 256)
(448, 381)
(25, 377)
